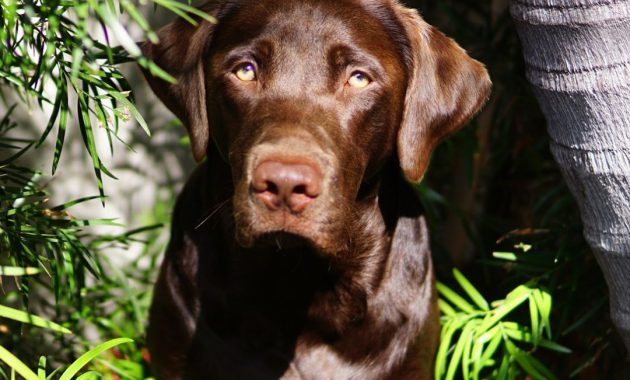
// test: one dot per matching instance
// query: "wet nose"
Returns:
(281, 184)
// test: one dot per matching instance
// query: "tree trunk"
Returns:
(578, 61)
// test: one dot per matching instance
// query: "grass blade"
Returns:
(17, 365)
(470, 290)
(24, 317)
(18, 271)
(455, 299)
(84, 359)
(513, 300)
(41, 368)
(533, 315)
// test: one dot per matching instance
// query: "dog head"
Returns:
(308, 100)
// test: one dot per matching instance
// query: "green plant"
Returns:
(59, 270)
(46, 249)
(489, 343)
(17, 366)
(495, 185)
(37, 235)
(52, 43)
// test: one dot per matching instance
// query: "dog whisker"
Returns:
(213, 212)
(278, 244)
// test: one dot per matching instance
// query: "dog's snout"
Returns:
(281, 184)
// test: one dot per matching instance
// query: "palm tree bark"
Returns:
(577, 54)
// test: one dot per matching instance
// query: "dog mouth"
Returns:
(288, 238)
(284, 241)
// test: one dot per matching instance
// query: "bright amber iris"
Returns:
(359, 79)
(246, 72)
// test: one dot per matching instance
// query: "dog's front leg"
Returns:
(174, 312)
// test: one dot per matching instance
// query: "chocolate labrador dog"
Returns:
(298, 249)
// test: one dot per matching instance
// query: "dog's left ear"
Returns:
(446, 88)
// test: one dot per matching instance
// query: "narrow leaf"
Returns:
(455, 299)
(41, 368)
(18, 271)
(24, 317)
(84, 359)
(470, 290)
(17, 365)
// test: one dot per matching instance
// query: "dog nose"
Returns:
(292, 185)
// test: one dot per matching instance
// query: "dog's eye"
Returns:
(246, 72)
(359, 79)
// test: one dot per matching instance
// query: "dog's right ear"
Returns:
(179, 52)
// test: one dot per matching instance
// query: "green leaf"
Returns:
(533, 315)
(464, 340)
(197, 12)
(508, 256)
(487, 335)
(467, 360)
(89, 375)
(18, 271)
(17, 365)
(132, 109)
(24, 317)
(84, 359)
(554, 346)
(116, 28)
(455, 299)
(14, 157)
(512, 301)
(125, 369)
(85, 126)
(155, 70)
(445, 308)
(183, 10)
(41, 368)
(504, 368)
(74, 202)
(470, 290)
(53, 117)
(445, 342)
(530, 365)
(490, 350)
(544, 304)
(61, 130)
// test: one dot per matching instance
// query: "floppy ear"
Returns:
(179, 52)
(446, 88)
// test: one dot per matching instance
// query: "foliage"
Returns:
(487, 339)
(497, 179)
(52, 43)
(47, 249)
(37, 235)
(18, 366)
(50, 53)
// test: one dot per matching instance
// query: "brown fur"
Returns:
(344, 289)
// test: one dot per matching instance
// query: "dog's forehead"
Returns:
(312, 21)
(311, 24)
